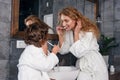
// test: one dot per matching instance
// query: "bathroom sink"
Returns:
(64, 73)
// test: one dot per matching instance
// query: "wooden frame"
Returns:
(96, 7)
(15, 33)
(15, 19)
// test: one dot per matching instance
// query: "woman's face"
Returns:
(67, 22)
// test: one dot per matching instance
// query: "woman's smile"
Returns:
(67, 22)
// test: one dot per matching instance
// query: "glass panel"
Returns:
(27, 7)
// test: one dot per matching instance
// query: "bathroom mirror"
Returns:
(23, 8)
(20, 10)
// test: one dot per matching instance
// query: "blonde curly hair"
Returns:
(87, 25)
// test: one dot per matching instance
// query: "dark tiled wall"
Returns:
(5, 22)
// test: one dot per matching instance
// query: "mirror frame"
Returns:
(15, 33)
(15, 19)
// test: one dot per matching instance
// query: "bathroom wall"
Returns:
(110, 26)
(5, 22)
(9, 54)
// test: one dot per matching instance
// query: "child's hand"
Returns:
(55, 49)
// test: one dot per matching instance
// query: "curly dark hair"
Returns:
(36, 34)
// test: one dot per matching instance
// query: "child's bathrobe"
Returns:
(86, 49)
(34, 64)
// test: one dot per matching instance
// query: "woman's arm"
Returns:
(63, 40)
(60, 33)
(85, 43)
(77, 30)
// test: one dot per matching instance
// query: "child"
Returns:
(35, 19)
(32, 19)
(36, 60)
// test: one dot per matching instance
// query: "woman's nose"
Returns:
(63, 24)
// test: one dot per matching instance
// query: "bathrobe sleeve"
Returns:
(36, 59)
(68, 39)
(85, 43)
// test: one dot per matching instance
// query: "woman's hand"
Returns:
(78, 27)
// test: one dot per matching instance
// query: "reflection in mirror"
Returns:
(48, 19)
(27, 7)
(21, 9)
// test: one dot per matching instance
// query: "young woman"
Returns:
(78, 35)
(36, 60)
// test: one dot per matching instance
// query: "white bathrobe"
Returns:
(86, 49)
(34, 64)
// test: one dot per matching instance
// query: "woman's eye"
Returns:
(66, 21)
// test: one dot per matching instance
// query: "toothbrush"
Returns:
(50, 43)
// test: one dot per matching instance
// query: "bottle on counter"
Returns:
(112, 69)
